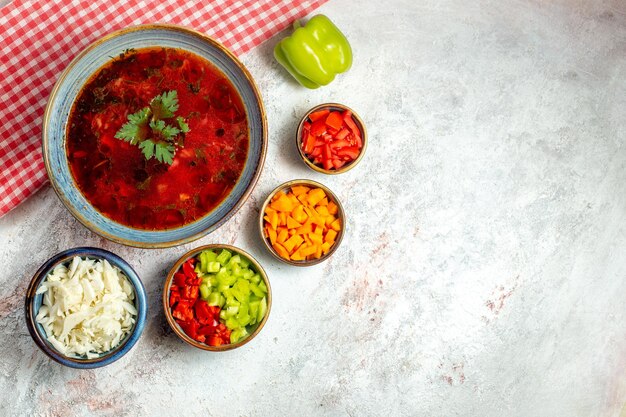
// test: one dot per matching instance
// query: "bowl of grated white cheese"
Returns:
(85, 307)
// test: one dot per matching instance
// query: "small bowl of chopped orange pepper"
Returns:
(302, 222)
(331, 138)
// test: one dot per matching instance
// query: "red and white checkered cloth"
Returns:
(38, 39)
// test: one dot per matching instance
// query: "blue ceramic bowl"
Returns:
(34, 301)
(78, 73)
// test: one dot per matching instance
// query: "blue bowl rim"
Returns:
(108, 357)
(175, 242)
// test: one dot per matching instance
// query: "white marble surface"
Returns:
(484, 268)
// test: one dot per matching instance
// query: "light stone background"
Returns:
(483, 272)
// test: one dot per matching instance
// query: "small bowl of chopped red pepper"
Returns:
(331, 138)
(217, 297)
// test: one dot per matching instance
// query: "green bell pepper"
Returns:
(315, 53)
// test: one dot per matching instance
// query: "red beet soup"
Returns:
(117, 175)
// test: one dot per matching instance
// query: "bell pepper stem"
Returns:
(296, 24)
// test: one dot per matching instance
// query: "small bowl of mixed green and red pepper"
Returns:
(331, 138)
(217, 297)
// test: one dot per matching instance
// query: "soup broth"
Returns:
(114, 175)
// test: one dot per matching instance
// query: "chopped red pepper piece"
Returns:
(215, 312)
(318, 127)
(342, 134)
(352, 152)
(334, 120)
(318, 114)
(188, 270)
(214, 340)
(183, 310)
(309, 143)
(174, 297)
(190, 327)
(203, 314)
(206, 330)
(180, 279)
(317, 151)
(338, 164)
(190, 292)
(347, 118)
(339, 144)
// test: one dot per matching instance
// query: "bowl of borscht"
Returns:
(154, 135)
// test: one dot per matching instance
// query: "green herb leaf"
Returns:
(164, 105)
(147, 148)
(168, 132)
(164, 152)
(184, 127)
(149, 130)
(134, 131)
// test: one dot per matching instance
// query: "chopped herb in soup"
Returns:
(157, 138)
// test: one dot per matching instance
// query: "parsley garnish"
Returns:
(155, 130)
(164, 105)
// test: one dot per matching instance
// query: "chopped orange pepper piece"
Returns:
(322, 210)
(282, 236)
(296, 256)
(292, 223)
(309, 250)
(282, 218)
(298, 213)
(299, 189)
(306, 228)
(315, 196)
(280, 249)
(282, 203)
(271, 233)
(278, 195)
(326, 247)
(303, 198)
(292, 242)
(330, 236)
(316, 238)
(320, 221)
(273, 219)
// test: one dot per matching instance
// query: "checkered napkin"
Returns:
(38, 39)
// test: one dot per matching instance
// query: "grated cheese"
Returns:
(87, 307)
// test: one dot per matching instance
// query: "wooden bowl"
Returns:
(168, 311)
(357, 120)
(340, 215)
